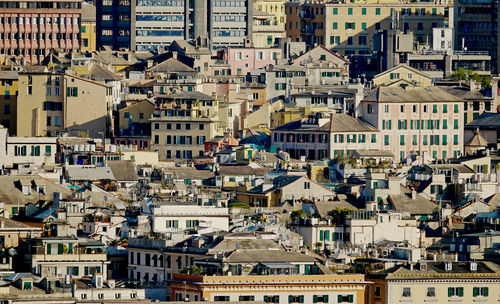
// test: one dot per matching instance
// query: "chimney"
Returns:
(175, 55)
(413, 194)
(473, 266)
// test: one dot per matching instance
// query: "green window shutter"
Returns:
(475, 291)
(411, 124)
(276, 86)
(332, 39)
(485, 289)
(346, 25)
(60, 249)
(445, 140)
(363, 11)
(339, 298)
(450, 291)
(86, 270)
(49, 249)
(15, 150)
(460, 291)
(377, 11)
(390, 124)
(374, 138)
(327, 235)
(290, 299)
(455, 124)
(48, 150)
(301, 299)
(349, 11)
(70, 248)
(456, 108)
(176, 224)
(335, 25)
(325, 299)
(455, 139)
(23, 151)
(335, 11)
(32, 151)
(321, 235)
(350, 298)
(406, 124)
(445, 124)
(315, 299)
(363, 25)
(445, 108)
(402, 140)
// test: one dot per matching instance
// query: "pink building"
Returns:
(243, 60)
(30, 28)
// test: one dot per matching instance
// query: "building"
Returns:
(60, 256)
(8, 100)
(113, 27)
(349, 27)
(182, 123)
(270, 288)
(88, 27)
(438, 282)
(486, 125)
(284, 188)
(416, 121)
(30, 29)
(225, 23)
(475, 28)
(242, 60)
(274, 8)
(320, 136)
(181, 216)
(265, 30)
(55, 102)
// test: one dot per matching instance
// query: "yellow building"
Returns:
(8, 100)
(403, 73)
(134, 119)
(275, 8)
(287, 115)
(88, 27)
(437, 282)
(349, 27)
(270, 288)
(54, 102)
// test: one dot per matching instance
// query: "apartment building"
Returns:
(416, 121)
(349, 27)
(265, 31)
(274, 8)
(32, 28)
(158, 23)
(180, 216)
(54, 102)
(8, 100)
(113, 26)
(270, 288)
(320, 136)
(436, 282)
(62, 256)
(476, 25)
(88, 27)
(242, 60)
(182, 123)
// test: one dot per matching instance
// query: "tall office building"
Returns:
(30, 28)
(157, 23)
(113, 23)
(477, 27)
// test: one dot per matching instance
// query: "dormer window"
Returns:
(448, 266)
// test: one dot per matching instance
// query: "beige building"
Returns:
(275, 8)
(54, 102)
(266, 30)
(349, 27)
(402, 74)
(437, 282)
(271, 288)
(182, 123)
(416, 120)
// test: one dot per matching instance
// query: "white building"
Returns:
(170, 217)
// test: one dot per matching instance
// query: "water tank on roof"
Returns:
(75, 148)
(112, 148)
(92, 148)
(82, 148)
(87, 148)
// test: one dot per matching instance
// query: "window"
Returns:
(221, 298)
(386, 108)
(480, 291)
(455, 124)
(202, 127)
(345, 299)
(402, 108)
(455, 108)
(363, 11)
(377, 11)
(402, 140)
(246, 298)
(272, 299)
(455, 139)
(295, 299)
(307, 185)
(374, 138)
(172, 224)
(378, 291)
(455, 291)
(335, 11)
(320, 299)
(445, 108)
(349, 11)
(431, 291)
(445, 140)
(406, 292)
(370, 109)
(335, 25)
(386, 140)
(72, 92)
